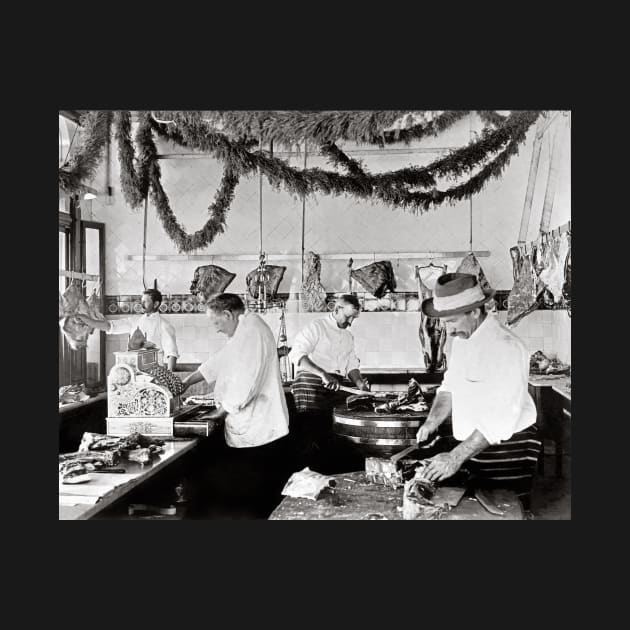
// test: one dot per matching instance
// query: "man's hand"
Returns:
(425, 432)
(330, 381)
(441, 466)
(363, 384)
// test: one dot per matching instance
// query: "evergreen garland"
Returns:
(134, 179)
(234, 146)
(84, 161)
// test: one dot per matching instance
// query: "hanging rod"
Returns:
(193, 156)
(78, 275)
(355, 256)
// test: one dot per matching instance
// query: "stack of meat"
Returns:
(71, 304)
(411, 400)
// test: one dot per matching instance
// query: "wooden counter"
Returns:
(84, 500)
(354, 498)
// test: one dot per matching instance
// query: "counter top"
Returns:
(82, 403)
(84, 500)
(353, 498)
(560, 383)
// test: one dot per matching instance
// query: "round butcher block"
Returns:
(377, 434)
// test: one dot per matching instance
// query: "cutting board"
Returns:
(444, 494)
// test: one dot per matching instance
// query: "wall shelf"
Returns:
(279, 257)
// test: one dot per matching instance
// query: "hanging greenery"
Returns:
(83, 162)
(134, 177)
(194, 133)
(235, 145)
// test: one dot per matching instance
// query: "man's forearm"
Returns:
(191, 379)
(472, 445)
(440, 410)
(355, 377)
(96, 323)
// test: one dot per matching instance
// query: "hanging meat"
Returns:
(566, 287)
(552, 274)
(74, 330)
(471, 265)
(432, 333)
(523, 296)
(377, 278)
(272, 281)
(210, 280)
(313, 296)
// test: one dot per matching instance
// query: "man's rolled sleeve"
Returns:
(120, 326)
(169, 343)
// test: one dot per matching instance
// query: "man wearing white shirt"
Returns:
(250, 473)
(323, 355)
(484, 391)
(154, 326)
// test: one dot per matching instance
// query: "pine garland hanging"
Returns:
(84, 161)
(136, 185)
(234, 146)
(134, 179)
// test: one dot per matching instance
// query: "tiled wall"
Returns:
(549, 331)
(382, 340)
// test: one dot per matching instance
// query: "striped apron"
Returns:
(310, 395)
(511, 464)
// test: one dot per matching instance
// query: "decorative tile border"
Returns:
(188, 304)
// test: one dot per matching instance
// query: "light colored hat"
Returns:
(455, 293)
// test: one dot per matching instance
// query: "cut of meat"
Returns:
(210, 280)
(377, 278)
(566, 287)
(74, 330)
(471, 265)
(432, 333)
(523, 296)
(274, 274)
(552, 275)
(313, 297)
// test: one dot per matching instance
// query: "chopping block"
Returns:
(387, 472)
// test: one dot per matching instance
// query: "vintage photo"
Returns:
(315, 315)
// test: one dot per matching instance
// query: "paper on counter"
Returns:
(307, 484)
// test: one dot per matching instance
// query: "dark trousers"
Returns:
(243, 483)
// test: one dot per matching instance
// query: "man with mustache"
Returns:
(323, 355)
(153, 325)
(484, 392)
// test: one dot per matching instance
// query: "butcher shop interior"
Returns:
(315, 315)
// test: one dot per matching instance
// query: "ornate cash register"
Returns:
(140, 396)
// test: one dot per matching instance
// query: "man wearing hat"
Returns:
(484, 391)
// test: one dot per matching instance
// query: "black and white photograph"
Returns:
(314, 314)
